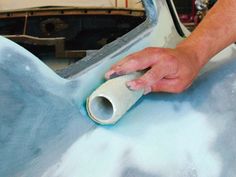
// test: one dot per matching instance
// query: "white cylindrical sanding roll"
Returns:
(112, 100)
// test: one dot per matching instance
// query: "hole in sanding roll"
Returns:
(101, 108)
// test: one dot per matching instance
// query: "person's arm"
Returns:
(173, 70)
(215, 32)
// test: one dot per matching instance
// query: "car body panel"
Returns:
(45, 130)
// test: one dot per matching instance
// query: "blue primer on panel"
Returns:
(45, 131)
(164, 134)
(36, 112)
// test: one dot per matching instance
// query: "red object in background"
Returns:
(185, 18)
(189, 18)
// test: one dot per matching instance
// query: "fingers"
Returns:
(167, 73)
(172, 70)
(134, 62)
(153, 76)
(166, 85)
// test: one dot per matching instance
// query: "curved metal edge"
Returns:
(88, 61)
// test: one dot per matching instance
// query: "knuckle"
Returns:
(133, 61)
(150, 76)
(153, 50)
(171, 58)
(141, 82)
(131, 56)
(170, 62)
(116, 67)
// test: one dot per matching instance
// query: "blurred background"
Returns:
(61, 32)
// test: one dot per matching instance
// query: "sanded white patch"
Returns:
(27, 68)
(182, 146)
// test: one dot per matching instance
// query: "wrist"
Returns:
(193, 52)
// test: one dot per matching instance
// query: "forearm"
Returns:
(214, 33)
(173, 70)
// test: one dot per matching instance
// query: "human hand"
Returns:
(169, 70)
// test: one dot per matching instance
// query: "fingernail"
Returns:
(109, 74)
(130, 86)
(114, 75)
